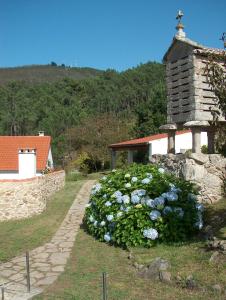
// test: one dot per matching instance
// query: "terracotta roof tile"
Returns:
(9, 146)
(144, 140)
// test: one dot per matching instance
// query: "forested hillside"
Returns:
(45, 73)
(84, 116)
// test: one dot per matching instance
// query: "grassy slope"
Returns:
(43, 73)
(18, 236)
(82, 279)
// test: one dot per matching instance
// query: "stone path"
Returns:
(49, 260)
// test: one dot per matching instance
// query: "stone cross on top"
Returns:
(190, 99)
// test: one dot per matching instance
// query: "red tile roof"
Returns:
(145, 140)
(9, 146)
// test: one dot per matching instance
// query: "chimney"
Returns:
(27, 163)
(41, 133)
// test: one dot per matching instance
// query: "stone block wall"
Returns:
(207, 171)
(24, 198)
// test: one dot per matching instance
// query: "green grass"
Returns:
(16, 237)
(82, 278)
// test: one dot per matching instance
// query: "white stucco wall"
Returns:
(183, 142)
(27, 167)
(27, 163)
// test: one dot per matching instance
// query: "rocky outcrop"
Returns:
(205, 170)
(24, 198)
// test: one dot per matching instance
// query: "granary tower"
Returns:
(191, 102)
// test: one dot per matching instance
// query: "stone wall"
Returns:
(24, 198)
(206, 170)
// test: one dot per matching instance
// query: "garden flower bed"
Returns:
(143, 205)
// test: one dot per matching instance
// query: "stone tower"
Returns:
(190, 99)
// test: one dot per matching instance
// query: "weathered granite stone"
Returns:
(165, 276)
(197, 124)
(207, 171)
(25, 198)
(172, 126)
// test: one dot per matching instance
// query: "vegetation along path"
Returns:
(47, 261)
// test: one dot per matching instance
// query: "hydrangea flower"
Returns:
(108, 203)
(199, 223)
(113, 171)
(159, 201)
(88, 205)
(119, 214)
(171, 196)
(149, 175)
(192, 197)
(110, 217)
(135, 199)
(145, 180)
(107, 237)
(96, 188)
(138, 206)
(174, 189)
(119, 200)
(199, 207)
(109, 181)
(140, 192)
(127, 175)
(105, 196)
(150, 203)
(125, 199)
(179, 211)
(167, 210)
(91, 219)
(122, 208)
(127, 208)
(128, 185)
(102, 223)
(95, 223)
(134, 179)
(150, 233)
(117, 194)
(104, 178)
(154, 215)
(161, 170)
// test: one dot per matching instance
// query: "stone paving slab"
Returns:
(47, 262)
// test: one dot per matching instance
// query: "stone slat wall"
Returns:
(24, 198)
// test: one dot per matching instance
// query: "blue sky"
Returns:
(117, 34)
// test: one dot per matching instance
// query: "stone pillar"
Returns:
(171, 130)
(211, 140)
(171, 141)
(113, 159)
(149, 152)
(130, 157)
(196, 128)
(196, 139)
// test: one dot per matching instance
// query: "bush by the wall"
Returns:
(142, 205)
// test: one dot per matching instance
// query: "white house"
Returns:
(156, 144)
(23, 157)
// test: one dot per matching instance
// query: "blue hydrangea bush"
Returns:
(142, 205)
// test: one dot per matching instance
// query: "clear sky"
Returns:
(117, 34)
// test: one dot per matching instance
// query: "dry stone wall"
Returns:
(208, 171)
(24, 198)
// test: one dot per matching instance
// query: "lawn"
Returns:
(82, 278)
(16, 237)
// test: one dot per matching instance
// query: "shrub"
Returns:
(142, 205)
